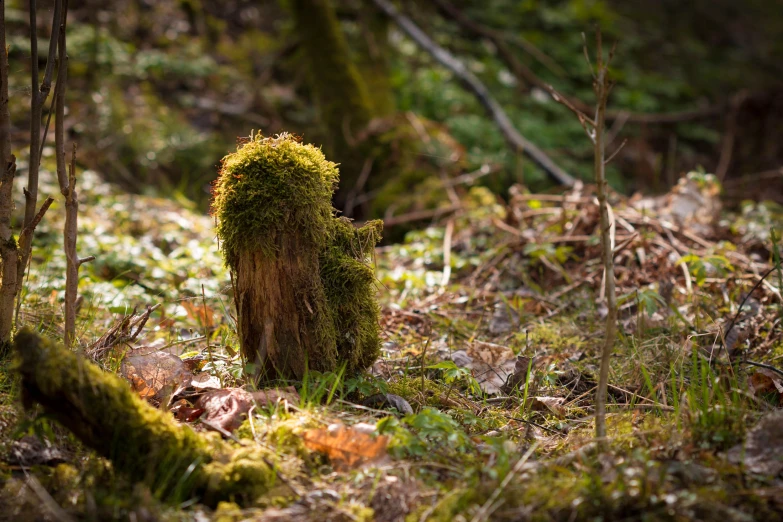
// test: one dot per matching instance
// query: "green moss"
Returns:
(349, 283)
(271, 186)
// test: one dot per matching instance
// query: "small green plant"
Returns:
(715, 407)
(321, 387)
(701, 267)
(453, 375)
(364, 385)
(428, 433)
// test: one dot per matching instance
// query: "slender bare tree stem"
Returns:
(39, 95)
(602, 86)
(9, 252)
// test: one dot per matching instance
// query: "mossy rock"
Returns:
(304, 286)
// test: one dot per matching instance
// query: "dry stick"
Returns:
(739, 310)
(484, 511)
(447, 253)
(206, 328)
(518, 142)
(601, 86)
(9, 252)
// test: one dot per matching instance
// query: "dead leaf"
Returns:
(491, 364)
(155, 375)
(184, 412)
(516, 380)
(205, 380)
(31, 451)
(388, 400)
(274, 395)
(198, 312)
(225, 408)
(552, 404)
(347, 447)
(766, 383)
(764, 446)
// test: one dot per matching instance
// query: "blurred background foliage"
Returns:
(160, 91)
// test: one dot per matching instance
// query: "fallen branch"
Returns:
(495, 111)
(143, 443)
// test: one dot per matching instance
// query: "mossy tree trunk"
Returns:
(303, 288)
(339, 90)
(374, 51)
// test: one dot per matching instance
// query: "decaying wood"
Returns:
(269, 290)
(143, 443)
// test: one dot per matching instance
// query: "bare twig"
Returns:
(39, 95)
(486, 510)
(739, 310)
(447, 253)
(51, 505)
(496, 112)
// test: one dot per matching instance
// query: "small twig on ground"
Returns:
(51, 505)
(739, 310)
(765, 366)
(486, 510)
(447, 253)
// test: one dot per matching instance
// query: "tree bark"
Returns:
(9, 252)
(341, 95)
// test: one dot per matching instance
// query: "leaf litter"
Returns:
(521, 314)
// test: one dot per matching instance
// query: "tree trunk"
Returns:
(341, 94)
(277, 334)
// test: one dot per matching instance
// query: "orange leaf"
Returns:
(347, 447)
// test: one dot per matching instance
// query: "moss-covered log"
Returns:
(143, 443)
(304, 291)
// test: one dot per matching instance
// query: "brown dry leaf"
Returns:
(184, 412)
(516, 381)
(490, 353)
(274, 395)
(347, 447)
(205, 380)
(764, 382)
(764, 446)
(491, 364)
(225, 408)
(156, 374)
(552, 404)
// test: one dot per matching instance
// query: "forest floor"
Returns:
(481, 406)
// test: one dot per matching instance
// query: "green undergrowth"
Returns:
(673, 414)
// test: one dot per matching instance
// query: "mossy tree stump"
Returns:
(303, 286)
